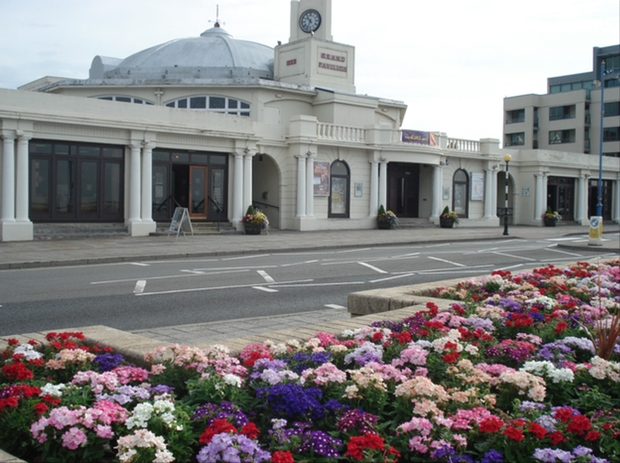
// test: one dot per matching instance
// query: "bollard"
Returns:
(596, 231)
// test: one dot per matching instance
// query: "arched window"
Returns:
(211, 103)
(460, 198)
(339, 190)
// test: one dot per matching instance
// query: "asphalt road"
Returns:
(153, 294)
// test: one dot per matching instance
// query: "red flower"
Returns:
(218, 426)
(556, 437)
(404, 337)
(13, 342)
(10, 402)
(564, 414)
(451, 358)
(579, 424)
(40, 408)
(378, 336)
(250, 430)
(280, 456)
(537, 430)
(592, 436)
(514, 434)
(491, 424)
(561, 326)
(17, 371)
(357, 445)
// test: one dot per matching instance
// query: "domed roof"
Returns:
(213, 55)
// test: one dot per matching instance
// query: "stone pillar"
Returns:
(437, 193)
(615, 206)
(22, 192)
(238, 211)
(134, 184)
(301, 186)
(581, 216)
(374, 189)
(147, 182)
(247, 178)
(310, 184)
(383, 183)
(541, 197)
(8, 178)
(490, 198)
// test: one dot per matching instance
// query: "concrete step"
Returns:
(409, 222)
(201, 228)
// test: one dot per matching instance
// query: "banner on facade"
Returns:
(321, 178)
(477, 186)
(419, 138)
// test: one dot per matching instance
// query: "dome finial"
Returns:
(217, 17)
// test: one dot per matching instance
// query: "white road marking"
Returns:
(447, 261)
(372, 267)
(245, 257)
(266, 276)
(213, 288)
(353, 250)
(335, 306)
(513, 256)
(196, 272)
(164, 277)
(293, 285)
(563, 252)
(140, 264)
(140, 285)
(404, 275)
(264, 288)
(300, 263)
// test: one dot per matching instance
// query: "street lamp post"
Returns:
(507, 158)
(599, 192)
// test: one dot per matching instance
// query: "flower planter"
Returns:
(549, 222)
(384, 225)
(252, 229)
(446, 223)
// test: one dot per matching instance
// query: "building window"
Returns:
(562, 112)
(514, 139)
(514, 116)
(612, 109)
(460, 186)
(124, 99)
(611, 134)
(216, 104)
(561, 136)
(339, 191)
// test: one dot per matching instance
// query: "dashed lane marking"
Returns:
(447, 261)
(140, 264)
(140, 285)
(266, 276)
(265, 288)
(372, 267)
(335, 306)
(505, 254)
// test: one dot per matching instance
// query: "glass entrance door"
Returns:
(198, 195)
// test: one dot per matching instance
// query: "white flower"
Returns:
(28, 352)
(233, 380)
(54, 390)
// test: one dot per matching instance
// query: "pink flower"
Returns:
(73, 438)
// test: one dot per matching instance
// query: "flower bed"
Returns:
(521, 368)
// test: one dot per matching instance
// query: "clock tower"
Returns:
(311, 57)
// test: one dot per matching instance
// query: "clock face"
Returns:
(309, 21)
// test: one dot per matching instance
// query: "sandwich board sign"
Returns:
(180, 223)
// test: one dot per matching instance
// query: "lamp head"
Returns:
(507, 157)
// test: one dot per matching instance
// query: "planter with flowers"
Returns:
(551, 217)
(386, 220)
(448, 218)
(255, 221)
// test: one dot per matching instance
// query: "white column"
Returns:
(310, 184)
(247, 178)
(582, 199)
(8, 178)
(374, 189)
(383, 184)
(21, 190)
(147, 182)
(134, 184)
(541, 197)
(301, 186)
(490, 209)
(238, 188)
(437, 193)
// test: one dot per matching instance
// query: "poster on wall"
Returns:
(321, 178)
(477, 186)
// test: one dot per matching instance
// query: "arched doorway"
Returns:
(266, 187)
(339, 194)
(460, 198)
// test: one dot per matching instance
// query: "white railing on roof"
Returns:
(340, 133)
(456, 144)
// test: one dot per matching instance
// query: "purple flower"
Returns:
(293, 401)
(108, 361)
(235, 448)
(225, 411)
(492, 456)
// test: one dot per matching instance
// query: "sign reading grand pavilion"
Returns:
(330, 61)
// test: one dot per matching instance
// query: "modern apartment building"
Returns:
(568, 118)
